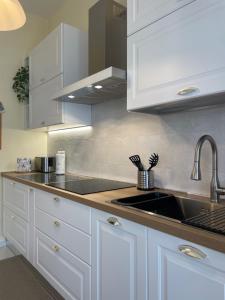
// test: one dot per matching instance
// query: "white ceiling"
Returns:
(44, 8)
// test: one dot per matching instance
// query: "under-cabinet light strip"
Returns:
(66, 130)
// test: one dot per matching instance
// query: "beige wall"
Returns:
(16, 141)
(75, 13)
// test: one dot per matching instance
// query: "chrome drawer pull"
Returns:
(192, 252)
(113, 221)
(57, 223)
(55, 248)
(187, 91)
(56, 199)
(13, 217)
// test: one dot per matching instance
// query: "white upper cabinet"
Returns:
(179, 270)
(141, 13)
(46, 59)
(119, 258)
(178, 59)
(44, 111)
(59, 60)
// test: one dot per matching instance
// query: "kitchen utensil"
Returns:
(145, 180)
(135, 159)
(153, 161)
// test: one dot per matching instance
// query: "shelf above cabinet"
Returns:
(109, 84)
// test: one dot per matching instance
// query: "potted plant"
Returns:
(21, 84)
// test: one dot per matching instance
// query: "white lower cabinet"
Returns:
(77, 242)
(16, 230)
(119, 258)
(68, 274)
(87, 254)
(18, 217)
(16, 198)
(179, 269)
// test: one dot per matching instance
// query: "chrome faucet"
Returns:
(215, 189)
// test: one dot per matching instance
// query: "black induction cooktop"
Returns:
(89, 186)
(46, 178)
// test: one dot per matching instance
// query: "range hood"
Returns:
(105, 85)
(107, 57)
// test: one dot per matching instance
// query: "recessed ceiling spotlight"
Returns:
(98, 87)
(71, 96)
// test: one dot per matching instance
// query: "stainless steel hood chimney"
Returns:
(107, 57)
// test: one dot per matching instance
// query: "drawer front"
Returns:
(72, 239)
(72, 213)
(16, 197)
(69, 275)
(16, 231)
(141, 13)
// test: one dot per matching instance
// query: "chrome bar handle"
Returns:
(113, 221)
(192, 252)
(187, 91)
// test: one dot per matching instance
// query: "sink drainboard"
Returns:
(212, 221)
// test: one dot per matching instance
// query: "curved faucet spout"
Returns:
(196, 172)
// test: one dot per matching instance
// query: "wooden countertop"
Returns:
(102, 200)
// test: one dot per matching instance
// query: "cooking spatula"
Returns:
(135, 159)
(153, 161)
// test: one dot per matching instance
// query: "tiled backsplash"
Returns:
(103, 150)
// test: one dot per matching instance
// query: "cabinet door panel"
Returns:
(144, 12)
(46, 59)
(119, 260)
(16, 231)
(43, 110)
(174, 275)
(69, 275)
(176, 53)
(16, 197)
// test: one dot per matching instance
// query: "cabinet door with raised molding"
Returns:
(43, 110)
(144, 12)
(16, 197)
(178, 58)
(69, 275)
(16, 231)
(119, 260)
(45, 59)
(179, 269)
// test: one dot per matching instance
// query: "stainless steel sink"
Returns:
(168, 206)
